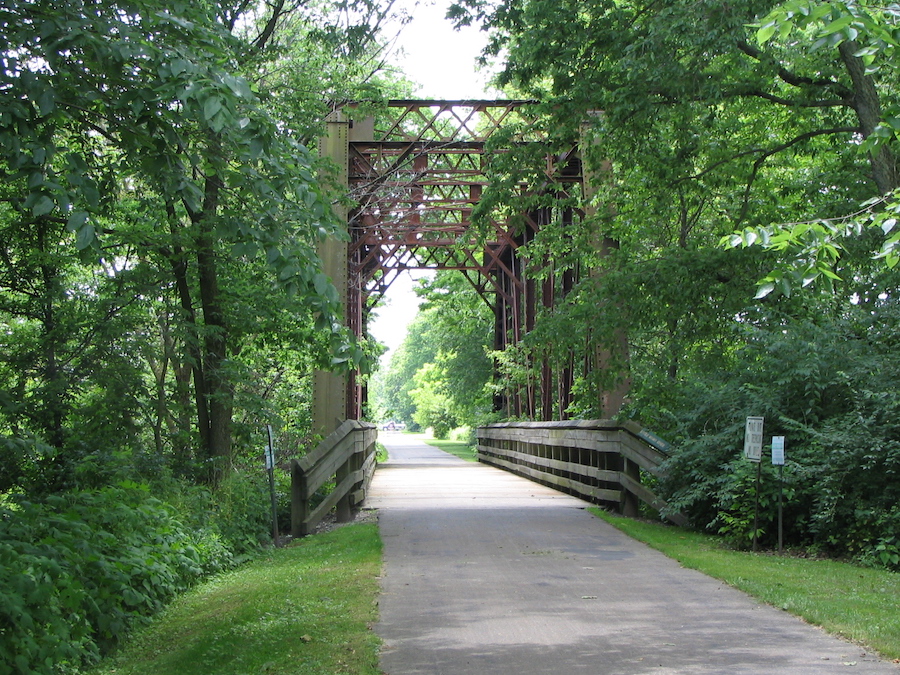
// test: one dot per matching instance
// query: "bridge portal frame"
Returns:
(415, 176)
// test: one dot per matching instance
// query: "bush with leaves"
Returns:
(827, 386)
(78, 570)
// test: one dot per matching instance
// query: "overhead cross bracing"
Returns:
(418, 181)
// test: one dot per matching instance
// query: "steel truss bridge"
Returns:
(416, 172)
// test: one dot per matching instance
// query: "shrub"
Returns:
(464, 434)
(240, 511)
(830, 390)
(77, 571)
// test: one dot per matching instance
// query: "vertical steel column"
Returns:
(499, 344)
(614, 357)
(534, 384)
(547, 300)
(329, 401)
(357, 294)
(517, 291)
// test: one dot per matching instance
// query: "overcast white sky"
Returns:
(439, 58)
(442, 61)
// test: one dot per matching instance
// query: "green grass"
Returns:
(308, 609)
(859, 604)
(459, 448)
(305, 609)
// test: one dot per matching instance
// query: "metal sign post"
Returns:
(778, 460)
(270, 468)
(753, 442)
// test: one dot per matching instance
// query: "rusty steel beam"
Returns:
(415, 174)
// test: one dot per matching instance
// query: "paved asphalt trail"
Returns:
(490, 574)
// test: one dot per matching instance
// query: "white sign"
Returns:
(778, 450)
(270, 450)
(753, 439)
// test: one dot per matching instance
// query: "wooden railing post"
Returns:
(631, 505)
(345, 457)
(343, 511)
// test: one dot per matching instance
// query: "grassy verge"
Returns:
(856, 603)
(459, 448)
(305, 610)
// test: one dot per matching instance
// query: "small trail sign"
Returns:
(270, 450)
(270, 469)
(753, 439)
(778, 450)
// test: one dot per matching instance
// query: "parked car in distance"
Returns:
(393, 426)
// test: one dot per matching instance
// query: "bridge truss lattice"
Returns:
(417, 171)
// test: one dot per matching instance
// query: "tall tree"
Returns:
(148, 103)
(704, 131)
(443, 363)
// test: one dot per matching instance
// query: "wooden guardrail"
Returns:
(347, 455)
(597, 460)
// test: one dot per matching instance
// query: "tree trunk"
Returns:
(219, 389)
(192, 345)
(179, 421)
(54, 387)
(159, 368)
(867, 105)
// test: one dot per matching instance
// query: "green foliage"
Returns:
(390, 387)
(238, 511)
(306, 609)
(80, 570)
(161, 298)
(433, 406)
(866, 36)
(717, 121)
(159, 221)
(439, 375)
(824, 386)
(464, 434)
(703, 131)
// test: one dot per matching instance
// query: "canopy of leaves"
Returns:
(161, 296)
(696, 121)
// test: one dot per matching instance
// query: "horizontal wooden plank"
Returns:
(557, 464)
(325, 448)
(599, 441)
(588, 491)
(640, 453)
(349, 428)
(323, 471)
(647, 437)
(559, 424)
(592, 446)
(368, 466)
